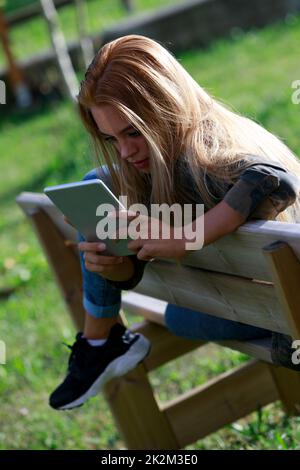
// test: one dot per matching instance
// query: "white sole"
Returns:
(116, 368)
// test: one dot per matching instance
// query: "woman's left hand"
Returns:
(162, 245)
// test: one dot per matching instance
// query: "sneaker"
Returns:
(91, 367)
(282, 351)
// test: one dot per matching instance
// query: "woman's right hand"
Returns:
(114, 268)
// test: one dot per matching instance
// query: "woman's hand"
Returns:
(114, 268)
(156, 239)
(150, 249)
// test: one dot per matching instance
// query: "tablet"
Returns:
(79, 202)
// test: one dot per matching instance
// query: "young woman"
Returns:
(163, 139)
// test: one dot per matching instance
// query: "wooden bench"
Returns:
(251, 276)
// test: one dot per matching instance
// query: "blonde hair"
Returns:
(178, 118)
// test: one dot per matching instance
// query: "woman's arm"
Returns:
(262, 191)
(219, 221)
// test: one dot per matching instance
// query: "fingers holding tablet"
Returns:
(95, 261)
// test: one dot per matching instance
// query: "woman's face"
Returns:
(129, 143)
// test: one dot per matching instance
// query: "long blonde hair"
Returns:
(179, 120)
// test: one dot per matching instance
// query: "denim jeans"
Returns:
(103, 300)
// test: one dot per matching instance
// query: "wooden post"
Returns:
(285, 268)
(65, 264)
(137, 414)
(15, 74)
(287, 383)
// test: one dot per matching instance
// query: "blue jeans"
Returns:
(103, 300)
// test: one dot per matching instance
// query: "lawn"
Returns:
(32, 36)
(13, 5)
(253, 72)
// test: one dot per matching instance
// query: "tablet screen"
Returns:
(80, 202)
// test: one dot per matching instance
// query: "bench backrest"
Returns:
(243, 276)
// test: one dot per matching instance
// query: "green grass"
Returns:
(13, 5)
(32, 36)
(253, 72)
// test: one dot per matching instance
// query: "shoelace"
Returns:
(128, 336)
(76, 362)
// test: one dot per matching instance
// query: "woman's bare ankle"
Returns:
(99, 328)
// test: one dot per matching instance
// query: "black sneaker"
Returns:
(282, 351)
(91, 367)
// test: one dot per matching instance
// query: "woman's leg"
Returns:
(197, 325)
(190, 324)
(101, 300)
(105, 349)
(98, 328)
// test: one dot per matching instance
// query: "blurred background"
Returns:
(246, 54)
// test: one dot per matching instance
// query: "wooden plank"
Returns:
(137, 413)
(225, 296)
(258, 348)
(246, 244)
(288, 385)
(286, 273)
(221, 401)
(148, 307)
(64, 263)
(31, 202)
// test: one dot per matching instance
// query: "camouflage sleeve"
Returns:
(263, 191)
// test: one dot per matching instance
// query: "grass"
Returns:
(253, 72)
(32, 36)
(14, 5)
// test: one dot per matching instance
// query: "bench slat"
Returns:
(220, 401)
(246, 244)
(31, 202)
(231, 297)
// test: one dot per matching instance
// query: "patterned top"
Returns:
(262, 191)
